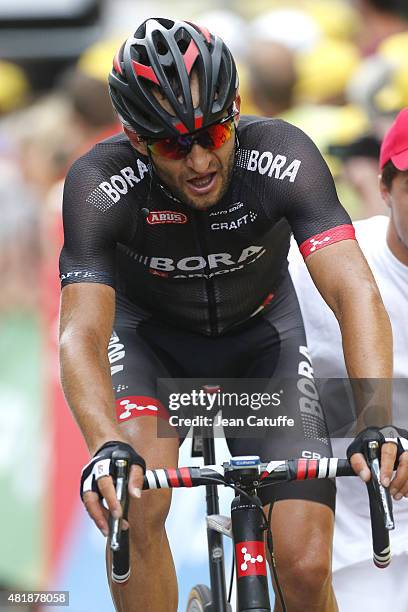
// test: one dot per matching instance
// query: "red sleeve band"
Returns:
(319, 241)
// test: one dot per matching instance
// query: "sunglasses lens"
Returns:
(179, 147)
(219, 134)
(171, 148)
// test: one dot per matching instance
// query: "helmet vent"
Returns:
(183, 45)
(141, 55)
(161, 48)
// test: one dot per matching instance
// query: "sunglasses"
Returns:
(211, 138)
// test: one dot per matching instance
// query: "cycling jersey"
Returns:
(205, 271)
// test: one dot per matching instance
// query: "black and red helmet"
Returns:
(163, 53)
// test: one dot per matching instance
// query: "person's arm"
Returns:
(92, 228)
(326, 239)
(345, 281)
(87, 311)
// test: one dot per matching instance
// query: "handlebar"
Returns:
(274, 471)
(265, 474)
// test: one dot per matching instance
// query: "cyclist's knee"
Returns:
(309, 574)
(147, 516)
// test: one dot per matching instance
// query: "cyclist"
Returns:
(384, 242)
(176, 241)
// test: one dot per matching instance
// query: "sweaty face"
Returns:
(397, 199)
(201, 178)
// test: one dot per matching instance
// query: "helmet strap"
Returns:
(155, 179)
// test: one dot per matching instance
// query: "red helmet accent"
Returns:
(145, 71)
(116, 63)
(203, 31)
(180, 127)
(190, 56)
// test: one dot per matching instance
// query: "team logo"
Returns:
(166, 216)
(116, 186)
(138, 405)
(274, 165)
(318, 243)
(237, 223)
(192, 267)
(250, 559)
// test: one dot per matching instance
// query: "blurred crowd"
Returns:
(335, 68)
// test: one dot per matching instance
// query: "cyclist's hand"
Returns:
(98, 512)
(394, 456)
(97, 484)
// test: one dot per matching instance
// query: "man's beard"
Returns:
(178, 194)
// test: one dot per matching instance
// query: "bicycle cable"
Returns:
(269, 542)
(267, 528)
(232, 576)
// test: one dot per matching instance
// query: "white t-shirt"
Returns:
(352, 540)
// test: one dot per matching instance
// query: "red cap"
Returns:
(395, 143)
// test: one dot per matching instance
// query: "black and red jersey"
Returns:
(205, 271)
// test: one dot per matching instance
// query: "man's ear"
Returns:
(137, 143)
(237, 107)
(384, 191)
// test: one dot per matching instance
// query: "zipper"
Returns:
(209, 283)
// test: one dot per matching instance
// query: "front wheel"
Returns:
(200, 600)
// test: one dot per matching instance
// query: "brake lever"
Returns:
(382, 494)
(121, 472)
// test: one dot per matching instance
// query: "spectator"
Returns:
(85, 88)
(272, 77)
(385, 244)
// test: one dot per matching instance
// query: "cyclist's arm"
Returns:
(345, 281)
(325, 235)
(92, 228)
(87, 311)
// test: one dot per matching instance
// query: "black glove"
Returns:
(102, 465)
(381, 435)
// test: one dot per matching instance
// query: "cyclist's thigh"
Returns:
(135, 368)
(283, 358)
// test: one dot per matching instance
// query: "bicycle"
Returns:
(248, 521)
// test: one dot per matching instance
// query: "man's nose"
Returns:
(199, 159)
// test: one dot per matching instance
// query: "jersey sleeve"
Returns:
(94, 223)
(309, 198)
